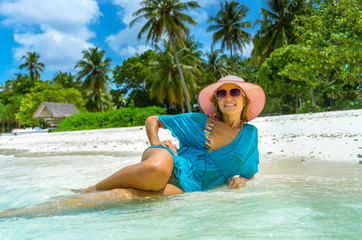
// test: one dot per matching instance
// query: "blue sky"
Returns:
(59, 30)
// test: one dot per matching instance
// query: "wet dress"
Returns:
(197, 169)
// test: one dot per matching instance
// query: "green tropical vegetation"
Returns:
(164, 77)
(129, 80)
(215, 64)
(67, 80)
(45, 92)
(307, 57)
(229, 27)
(123, 117)
(276, 26)
(33, 65)
(323, 64)
(166, 16)
(94, 68)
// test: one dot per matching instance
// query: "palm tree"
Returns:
(193, 45)
(32, 65)
(67, 80)
(20, 84)
(276, 26)
(93, 104)
(228, 27)
(165, 16)
(191, 57)
(191, 62)
(165, 79)
(215, 64)
(94, 69)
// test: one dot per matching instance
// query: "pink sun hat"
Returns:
(254, 92)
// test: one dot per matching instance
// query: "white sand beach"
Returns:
(285, 140)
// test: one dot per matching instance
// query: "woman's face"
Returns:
(231, 105)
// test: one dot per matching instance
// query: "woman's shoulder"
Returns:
(250, 127)
(191, 116)
(198, 115)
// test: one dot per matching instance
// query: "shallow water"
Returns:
(272, 206)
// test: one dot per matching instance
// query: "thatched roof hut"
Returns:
(53, 112)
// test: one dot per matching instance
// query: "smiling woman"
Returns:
(214, 146)
(229, 100)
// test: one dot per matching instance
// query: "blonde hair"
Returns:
(218, 113)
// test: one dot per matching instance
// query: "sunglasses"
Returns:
(235, 92)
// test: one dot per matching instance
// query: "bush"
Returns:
(124, 117)
(304, 109)
(277, 106)
(355, 103)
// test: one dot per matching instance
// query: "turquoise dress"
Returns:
(195, 168)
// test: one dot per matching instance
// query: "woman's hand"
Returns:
(170, 145)
(237, 182)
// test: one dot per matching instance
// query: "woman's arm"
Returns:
(153, 123)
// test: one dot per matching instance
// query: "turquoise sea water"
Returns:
(272, 206)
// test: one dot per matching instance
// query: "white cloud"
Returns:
(200, 16)
(55, 29)
(58, 51)
(124, 37)
(131, 51)
(248, 49)
(207, 3)
(127, 8)
(66, 15)
(126, 42)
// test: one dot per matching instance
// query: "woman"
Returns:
(215, 147)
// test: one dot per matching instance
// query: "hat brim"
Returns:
(253, 92)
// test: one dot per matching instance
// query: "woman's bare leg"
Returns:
(89, 200)
(151, 174)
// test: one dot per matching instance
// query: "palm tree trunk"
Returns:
(195, 93)
(32, 77)
(232, 60)
(100, 100)
(312, 96)
(196, 96)
(181, 74)
(307, 104)
(182, 104)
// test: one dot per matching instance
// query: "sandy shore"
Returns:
(331, 136)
